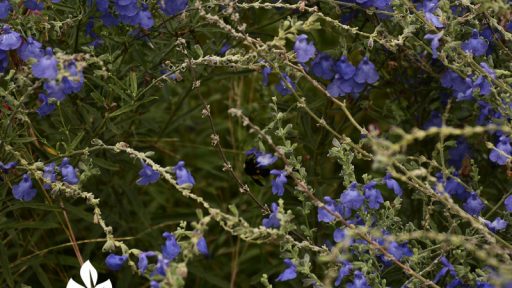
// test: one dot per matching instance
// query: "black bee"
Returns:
(256, 173)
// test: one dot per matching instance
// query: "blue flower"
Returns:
(49, 174)
(102, 5)
(483, 285)
(183, 176)
(366, 72)
(455, 283)
(323, 214)
(456, 189)
(5, 9)
(344, 68)
(457, 154)
(147, 175)
(359, 281)
(145, 20)
(483, 85)
(68, 172)
(351, 198)
(508, 203)
(34, 5)
(161, 266)
(289, 273)
(303, 49)
(264, 160)
(452, 80)
(55, 90)
(497, 225)
(265, 72)
(171, 249)
(434, 42)
(115, 262)
(341, 87)
(23, 190)
(357, 220)
(383, 5)
(75, 83)
(476, 45)
(338, 235)
(501, 153)
(447, 266)
(473, 205)
(273, 220)
(323, 66)
(225, 47)
(46, 66)
(429, 7)
(143, 260)
(399, 250)
(278, 182)
(9, 40)
(108, 20)
(373, 195)
(343, 272)
(282, 87)
(435, 120)
(126, 9)
(154, 284)
(485, 111)
(392, 184)
(201, 245)
(6, 167)
(488, 70)
(173, 7)
(30, 49)
(467, 92)
(45, 108)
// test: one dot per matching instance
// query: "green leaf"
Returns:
(123, 109)
(6, 269)
(29, 205)
(41, 275)
(28, 225)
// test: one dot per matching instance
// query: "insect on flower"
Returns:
(251, 167)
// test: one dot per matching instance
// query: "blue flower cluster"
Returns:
(454, 187)
(465, 88)
(34, 5)
(149, 176)
(129, 12)
(25, 191)
(471, 201)
(169, 251)
(471, 87)
(346, 78)
(397, 251)
(429, 7)
(351, 199)
(501, 153)
(57, 82)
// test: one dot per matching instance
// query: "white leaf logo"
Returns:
(89, 277)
